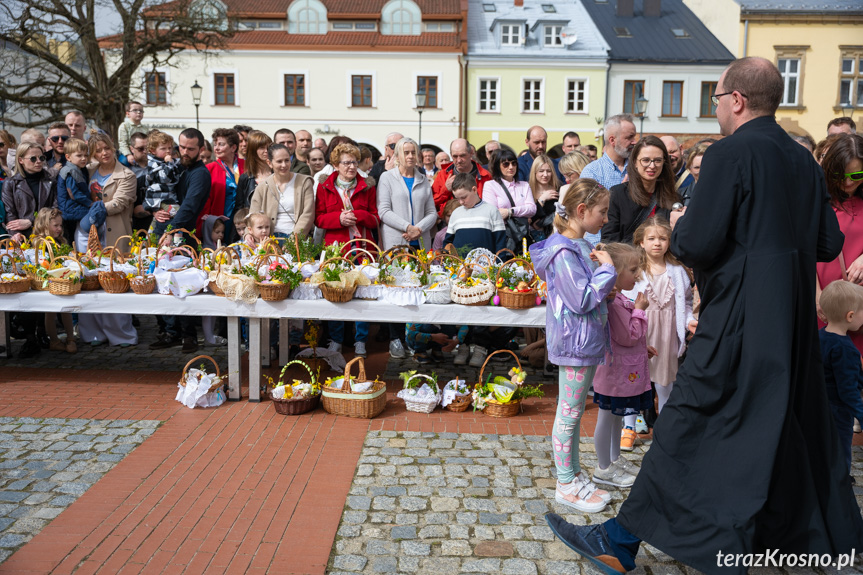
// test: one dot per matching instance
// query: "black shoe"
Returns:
(190, 345)
(29, 349)
(165, 342)
(589, 541)
(44, 342)
(421, 358)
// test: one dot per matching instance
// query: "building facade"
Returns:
(533, 62)
(327, 66)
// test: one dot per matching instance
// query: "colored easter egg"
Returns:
(538, 300)
(496, 300)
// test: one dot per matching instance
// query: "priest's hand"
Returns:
(676, 215)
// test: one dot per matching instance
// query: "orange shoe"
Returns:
(627, 439)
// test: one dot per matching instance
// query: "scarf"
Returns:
(345, 188)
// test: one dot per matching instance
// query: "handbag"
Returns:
(516, 228)
(642, 215)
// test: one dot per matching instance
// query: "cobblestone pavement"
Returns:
(46, 464)
(468, 503)
(137, 357)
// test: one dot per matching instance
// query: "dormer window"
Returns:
(401, 18)
(510, 34)
(551, 36)
(307, 17)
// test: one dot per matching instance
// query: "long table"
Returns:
(210, 305)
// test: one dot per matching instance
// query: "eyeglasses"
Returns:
(647, 161)
(507, 163)
(141, 149)
(137, 111)
(853, 176)
(715, 97)
(35, 159)
(58, 138)
(350, 163)
(391, 146)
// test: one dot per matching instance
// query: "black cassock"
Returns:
(745, 454)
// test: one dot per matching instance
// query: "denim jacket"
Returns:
(577, 288)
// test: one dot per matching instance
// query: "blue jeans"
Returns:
(337, 331)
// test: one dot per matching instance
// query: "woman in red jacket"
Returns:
(346, 208)
(225, 171)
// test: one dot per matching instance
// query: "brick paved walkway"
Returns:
(240, 489)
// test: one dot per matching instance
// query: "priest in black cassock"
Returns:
(745, 457)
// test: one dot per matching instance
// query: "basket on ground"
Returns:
(491, 403)
(304, 397)
(197, 388)
(354, 397)
(460, 395)
(420, 397)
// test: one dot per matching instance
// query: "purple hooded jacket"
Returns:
(577, 289)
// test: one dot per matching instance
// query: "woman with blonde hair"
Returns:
(571, 166)
(545, 188)
(256, 170)
(405, 202)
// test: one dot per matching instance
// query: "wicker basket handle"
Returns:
(410, 256)
(177, 230)
(163, 251)
(270, 246)
(73, 259)
(261, 258)
(363, 244)
(361, 375)
(502, 250)
(296, 361)
(419, 375)
(492, 354)
(193, 360)
(45, 244)
(336, 259)
(394, 251)
(360, 250)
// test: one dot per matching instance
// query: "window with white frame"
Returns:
(307, 17)
(488, 95)
(576, 96)
(851, 79)
(531, 95)
(789, 68)
(510, 34)
(551, 36)
(401, 18)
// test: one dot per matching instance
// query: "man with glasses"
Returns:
(745, 457)
(58, 135)
(461, 163)
(387, 161)
(132, 124)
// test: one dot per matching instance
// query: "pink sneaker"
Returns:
(585, 480)
(579, 496)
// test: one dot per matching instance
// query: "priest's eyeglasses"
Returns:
(715, 97)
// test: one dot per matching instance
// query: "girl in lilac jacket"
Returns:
(575, 330)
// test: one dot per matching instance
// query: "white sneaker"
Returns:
(397, 350)
(360, 349)
(614, 475)
(579, 496)
(627, 466)
(218, 341)
(585, 480)
(335, 346)
(478, 356)
(461, 354)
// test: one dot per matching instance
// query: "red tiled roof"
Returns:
(335, 8)
(359, 41)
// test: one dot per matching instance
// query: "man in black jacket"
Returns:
(745, 459)
(193, 189)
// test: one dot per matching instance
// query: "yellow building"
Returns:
(533, 62)
(818, 48)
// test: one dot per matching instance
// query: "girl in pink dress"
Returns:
(621, 386)
(668, 288)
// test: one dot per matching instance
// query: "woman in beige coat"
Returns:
(114, 184)
(286, 197)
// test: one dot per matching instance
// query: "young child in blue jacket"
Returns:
(73, 192)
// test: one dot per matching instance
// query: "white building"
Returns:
(328, 66)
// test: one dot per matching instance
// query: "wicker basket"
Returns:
(479, 294)
(19, 285)
(273, 292)
(461, 402)
(66, 286)
(513, 299)
(219, 383)
(500, 409)
(333, 293)
(37, 283)
(112, 281)
(365, 405)
(421, 406)
(217, 268)
(176, 231)
(295, 406)
(143, 284)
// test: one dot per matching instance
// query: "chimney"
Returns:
(625, 8)
(519, 3)
(652, 8)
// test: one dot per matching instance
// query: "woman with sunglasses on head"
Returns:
(510, 196)
(843, 172)
(649, 192)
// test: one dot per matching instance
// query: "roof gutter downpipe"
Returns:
(745, 37)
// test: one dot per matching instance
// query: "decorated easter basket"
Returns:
(439, 290)
(211, 396)
(470, 290)
(515, 297)
(404, 284)
(335, 293)
(296, 405)
(114, 281)
(67, 285)
(344, 401)
(494, 408)
(416, 403)
(11, 259)
(36, 282)
(278, 291)
(366, 251)
(143, 283)
(460, 402)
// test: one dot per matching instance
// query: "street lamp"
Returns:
(847, 108)
(421, 103)
(196, 98)
(641, 108)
